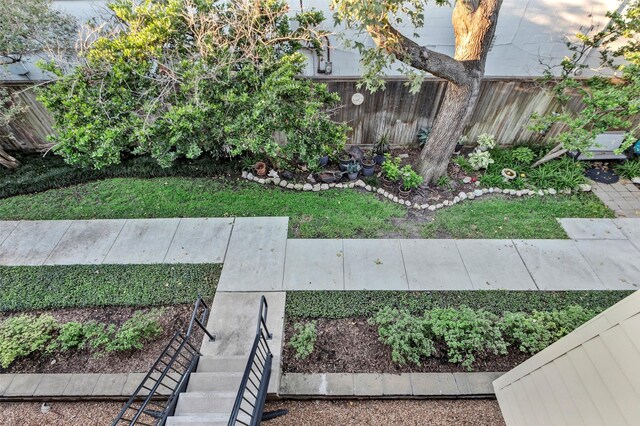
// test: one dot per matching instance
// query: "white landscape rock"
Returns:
(276, 181)
(497, 190)
(261, 181)
(298, 186)
(332, 185)
(395, 199)
(339, 185)
(381, 191)
(432, 207)
(390, 196)
(360, 183)
(439, 206)
(250, 176)
(584, 187)
(462, 196)
(283, 183)
(636, 179)
(290, 186)
(491, 190)
(316, 187)
(367, 188)
(324, 186)
(244, 174)
(477, 192)
(466, 179)
(307, 187)
(456, 200)
(424, 206)
(552, 191)
(407, 203)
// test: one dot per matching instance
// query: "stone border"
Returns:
(364, 385)
(385, 194)
(19, 387)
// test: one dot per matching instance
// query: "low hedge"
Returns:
(41, 287)
(38, 173)
(337, 304)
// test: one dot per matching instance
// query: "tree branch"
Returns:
(408, 51)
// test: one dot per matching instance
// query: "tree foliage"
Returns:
(611, 98)
(181, 77)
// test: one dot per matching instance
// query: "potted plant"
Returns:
(352, 170)
(345, 159)
(324, 160)
(368, 163)
(380, 148)
(390, 170)
(410, 181)
(261, 168)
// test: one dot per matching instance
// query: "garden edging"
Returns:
(61, 387)
(374, 385)
(391, 197)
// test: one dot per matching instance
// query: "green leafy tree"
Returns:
(180, 78)
(474, 24)
(27, 27)
(611, 99)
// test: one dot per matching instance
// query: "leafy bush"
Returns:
(534, 332)
(629, 169)
(486, 141)
(409, 336)
(23, 335)
(212, 92)
(480, 159)
(466, 333)
(410, 179)
(38, 287)
(391, 167)
(304, 340)
(135, 331)
(523, 155)
(70, 336)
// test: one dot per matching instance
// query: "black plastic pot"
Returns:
(323, 161)
(379, 159)
(344, 162)
(367, 167)
(352, 176)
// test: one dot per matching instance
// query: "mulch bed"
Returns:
(351, 345)
(83, 361)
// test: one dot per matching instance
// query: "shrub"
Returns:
(135, 331)
(304, 340)
(409, 336)
(22, 335)
(480, 159)
(391, 167)
(534, 332)
(70, 336)
(523, 155)
(466, 333)
(410, 179)
(486, 141)
(629, 169)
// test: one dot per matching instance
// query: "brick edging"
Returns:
(357, 385)
(68, 386)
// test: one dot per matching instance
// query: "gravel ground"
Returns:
(388, 413)
(61, 413)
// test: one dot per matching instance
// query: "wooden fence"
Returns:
(504, 109)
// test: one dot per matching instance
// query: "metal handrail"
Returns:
(261, 359)
(179, 358)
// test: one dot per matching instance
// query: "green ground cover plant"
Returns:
(326, 214)
(24, 288)
(533, 217)
(304, 339)
(629, 169)
(25, 334)
(468, 334)
(339, 304)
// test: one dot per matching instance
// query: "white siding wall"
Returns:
(589, 377)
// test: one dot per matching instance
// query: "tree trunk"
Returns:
(454, 115)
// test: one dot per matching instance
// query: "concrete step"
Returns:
(192, 403)
(212, 364)
(214, 419)
(214, 382)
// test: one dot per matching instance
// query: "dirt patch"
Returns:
(388, 412)
(60, 414)
(174, 317)
(351, 345)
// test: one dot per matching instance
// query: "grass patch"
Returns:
(533, 217)
(336, 213)
(337, 304)
(38, 173)
(24, 288)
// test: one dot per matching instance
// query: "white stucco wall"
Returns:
(529, 31)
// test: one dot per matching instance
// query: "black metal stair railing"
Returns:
(252, 394)
(156, 397)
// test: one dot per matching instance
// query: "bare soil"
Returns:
(60, 413)
(174, 317)
(477, 412)
(351, 345)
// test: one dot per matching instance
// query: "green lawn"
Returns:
(533, 217)
(24, 288)
(329, 214)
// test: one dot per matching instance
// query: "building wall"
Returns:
(589, 377)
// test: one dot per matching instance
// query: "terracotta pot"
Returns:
(404, 193)
(387, 183)
(261, 168)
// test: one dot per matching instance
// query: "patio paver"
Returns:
(314, 264)
(614, 261)
(374, 265)
(434, 265)
(86, 242)
(255, 255)
(495, 265)
(200, 240)
(31, 242)
(142, 241)
(557, 264)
